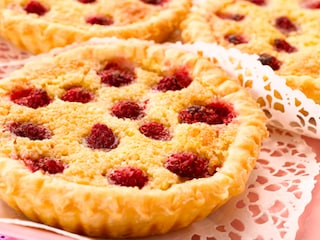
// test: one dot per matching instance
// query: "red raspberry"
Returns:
(99, 20)
(86, 1)
(311, 4)
(257, 2)
(155, 131)
(29, 130)
(35, 7)
(77, 94)
(116, 75)
(213, 113)
(46, 164)
(33, 98)
(230, 16)
(101, 137)
(128, 177)
(285, 25)
(127, 109)
(188, 165)
(193, 114)
(154, 2)
(283, 45)
(224, 113)
(235, 39)
(178, 81)
(269, 60)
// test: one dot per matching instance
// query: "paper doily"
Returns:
(286, 108)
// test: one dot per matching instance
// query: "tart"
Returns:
(124, 138)
(284, 35)
(40, 25)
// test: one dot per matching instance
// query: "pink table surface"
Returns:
(309, 220)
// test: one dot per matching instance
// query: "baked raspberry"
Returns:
(35, 7)
(128, 177)
(188, 165)
(193, 114)
(257, 2)
(33, 98)
(235, 39)
(101, 137)
(230, 16)
(77, 94)
(284, 24)
(155, 131)
(86, 1)
(282, 45)
(46, 164)
(29, 130)
(154, 2)
(213, 113)
(116, 75)
(178, 81)
(127, 109)
(269, 60)
(311, 4)
(99, 20)
(224, 112)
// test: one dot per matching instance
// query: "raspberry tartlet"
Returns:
(155, 153)
(40, 25)
(284, 35)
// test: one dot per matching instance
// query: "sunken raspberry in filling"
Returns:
(267, 59)
(285, 25)
(178, 81)
(282, 45)
(230, 16)
(33, 98)
(155, 131)
(77, 94)
(116, 75)
(99, 20)
(86, 1)
(213, 113)
(35, 7)
(188, 165)
(128, 177)
(235, 39)
(154, 2)
(257, 2)
(101, 137)
(29, 130)
(127, 109)
(46, 164)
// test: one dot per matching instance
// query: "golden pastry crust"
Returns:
(65, 21)
(260, 26)
(81, 199)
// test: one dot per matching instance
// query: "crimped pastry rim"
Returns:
(157, 28)
(158, 211)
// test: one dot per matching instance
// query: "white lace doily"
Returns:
(286, 108)
(279, 187)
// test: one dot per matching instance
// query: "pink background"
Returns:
(309, 220)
